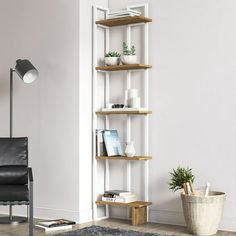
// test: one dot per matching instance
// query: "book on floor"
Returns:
(51, 225)
(51, 229)
(112, 143)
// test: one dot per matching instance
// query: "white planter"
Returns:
(127, 60)
(112, 61)
(203, 214)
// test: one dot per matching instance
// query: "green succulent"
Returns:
(127, 51)
(179, 176)
(112, 54)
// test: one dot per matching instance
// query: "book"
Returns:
(112, 143)
(127, 199)
(100, 145)
(125, 109)
(121, 15)
(55, 223)
(121, 199)
(124, 11)
(118, 192)
(51, 229)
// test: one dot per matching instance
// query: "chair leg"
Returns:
(31, 218)
(10, 212)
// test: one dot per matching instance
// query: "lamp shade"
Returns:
(26, 71)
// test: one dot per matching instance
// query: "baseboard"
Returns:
(177, 218)
(53, 213)
(166, 217)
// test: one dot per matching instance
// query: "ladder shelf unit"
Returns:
(139, 208)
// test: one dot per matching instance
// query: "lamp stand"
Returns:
(11, 100)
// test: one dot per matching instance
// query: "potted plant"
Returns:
(202, 209)
(112, 58)
(129, 55)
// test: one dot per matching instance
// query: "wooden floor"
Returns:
(22, 229)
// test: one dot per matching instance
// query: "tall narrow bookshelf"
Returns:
(140, 207)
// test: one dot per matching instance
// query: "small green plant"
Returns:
(180, 176)
(127, 51)
(112, 54)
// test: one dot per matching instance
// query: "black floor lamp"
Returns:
(28, 73)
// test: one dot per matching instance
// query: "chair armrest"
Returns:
(30, 174)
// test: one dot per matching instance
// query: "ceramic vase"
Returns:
(129, 150)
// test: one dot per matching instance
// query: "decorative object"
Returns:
(112, 58)
(118, 106)
(129, 55)
(134, 102)
(105, 231)
(129, 150)
(202, 210)
(131, 98)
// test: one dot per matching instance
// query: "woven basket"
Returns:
(203, 214)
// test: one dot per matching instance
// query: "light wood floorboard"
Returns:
(22, 229)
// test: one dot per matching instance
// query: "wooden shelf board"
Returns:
(124, 21)
(123, 112)
(131, 204)
(124, 158)
(124, 67)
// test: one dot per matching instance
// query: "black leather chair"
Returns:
(16, 179)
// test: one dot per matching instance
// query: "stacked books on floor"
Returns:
(54, 225)
(108, 143)
(119, 196)
(123, 13)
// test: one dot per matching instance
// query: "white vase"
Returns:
(129, 150)
(112, 61)
(130, 59)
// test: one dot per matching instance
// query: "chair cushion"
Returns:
(14, 193)
(13, 151)
(13, 175)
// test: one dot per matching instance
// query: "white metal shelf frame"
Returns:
(106, 95)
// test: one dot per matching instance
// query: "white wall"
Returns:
(46, 32)
(192, 95)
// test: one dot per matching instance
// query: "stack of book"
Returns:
(123, 13)
(54, 225)
(108, 143)
(119, 196)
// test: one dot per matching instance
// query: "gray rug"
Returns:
(104, 231)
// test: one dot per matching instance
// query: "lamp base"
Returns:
(14, 221)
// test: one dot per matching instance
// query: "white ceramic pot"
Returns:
(129, 150)
(112, 61)
(127, 60)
